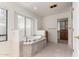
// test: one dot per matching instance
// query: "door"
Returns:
(64, 30)
(76, 29)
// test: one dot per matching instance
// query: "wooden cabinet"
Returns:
(46, 34)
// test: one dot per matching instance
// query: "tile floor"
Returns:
(63, 41)
(55, 50)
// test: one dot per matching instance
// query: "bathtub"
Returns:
(34, 39)
(32, 46)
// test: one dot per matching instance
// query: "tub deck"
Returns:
(28, 49)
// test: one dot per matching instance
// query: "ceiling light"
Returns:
(35, 8)
(53, 5)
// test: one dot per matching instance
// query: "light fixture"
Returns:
(35, 8)
(52, 5)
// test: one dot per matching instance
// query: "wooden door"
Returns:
(64, 30)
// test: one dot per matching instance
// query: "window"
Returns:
(21, 26)
(21, 20)
(26, 26)
(29, 27)
(3, 25)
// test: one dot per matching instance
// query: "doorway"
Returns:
(62, 30)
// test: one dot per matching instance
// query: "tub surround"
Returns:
(33, 44)
(34, 40)
(29, 49)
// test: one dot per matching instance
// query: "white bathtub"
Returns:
(34, 39)
(33, 46)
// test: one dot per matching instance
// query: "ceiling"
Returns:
(43, 8)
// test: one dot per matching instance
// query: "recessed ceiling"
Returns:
(43, 8)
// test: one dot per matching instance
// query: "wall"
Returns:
(76, 29)
(6, 48)
(50, 24)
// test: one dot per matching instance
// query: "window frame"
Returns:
(32, 29)
(24, 21)
(6, 35)
(31, 25)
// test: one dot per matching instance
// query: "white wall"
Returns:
(76, 29)
(50, 24)
(6, 47)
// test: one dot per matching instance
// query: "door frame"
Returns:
(65, 18)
